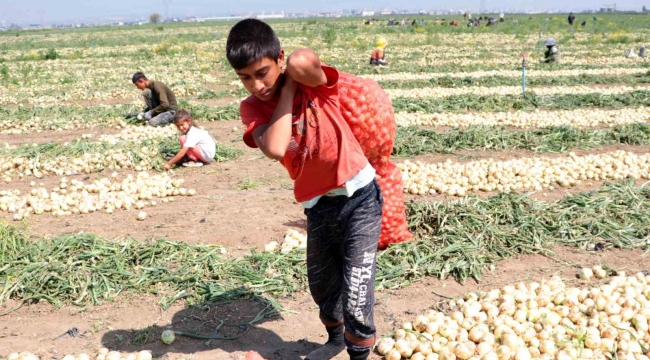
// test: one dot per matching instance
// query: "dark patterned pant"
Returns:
(342, 237)
(162, 119)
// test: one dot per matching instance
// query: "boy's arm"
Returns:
(178, 157)
(303, 65)
(273, 138)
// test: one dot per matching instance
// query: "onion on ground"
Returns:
(570, 324)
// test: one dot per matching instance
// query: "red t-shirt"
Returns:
(323, 153)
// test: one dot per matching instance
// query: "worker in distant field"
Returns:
(572, 18)
(552, 54)
(630, 53)
(160, 100)
(502, 17)
(377, 57)
(642, 52)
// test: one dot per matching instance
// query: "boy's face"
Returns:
(183, 126)
(260, 77)
(142, 83)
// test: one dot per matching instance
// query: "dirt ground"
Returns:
(240, 204)
(133, 324)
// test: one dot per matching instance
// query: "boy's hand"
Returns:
(167, 167)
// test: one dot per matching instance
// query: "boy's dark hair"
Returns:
(251, 40)
(137, 76)
(182, 115)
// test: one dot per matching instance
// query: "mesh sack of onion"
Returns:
(367, 109)
(394, 227)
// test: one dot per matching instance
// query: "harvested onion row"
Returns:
(103, 354)
(77, 197)
(37, 125)
(139, 160)
(533, 73)
(524, 119)
(511, 90)
(139, 133)
(512, 61)
(544, 320)
(292, 240)
(537, 173)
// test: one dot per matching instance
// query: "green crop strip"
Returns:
(529, 102)
(414, 141)
(457, 239)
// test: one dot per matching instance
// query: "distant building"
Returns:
(608, 8)
(368, 13)
(222, 18)
(386, 12)
(271, 16)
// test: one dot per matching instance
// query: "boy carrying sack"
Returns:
(294, 117)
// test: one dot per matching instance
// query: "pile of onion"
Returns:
(536, 173)
(537, 320)
(103, 354)
(293, 239)
(77, 197)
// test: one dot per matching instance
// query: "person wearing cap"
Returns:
(377, 57)
(160, 101)
(552, 53)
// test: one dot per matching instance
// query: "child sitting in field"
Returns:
(197, 146)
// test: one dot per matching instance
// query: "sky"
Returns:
(57, 11)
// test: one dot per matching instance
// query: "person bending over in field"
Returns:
(197, 146)
(160, 100)
(552, 53)
(294, 117)
(378, 54)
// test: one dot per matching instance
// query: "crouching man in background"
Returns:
(160, 100)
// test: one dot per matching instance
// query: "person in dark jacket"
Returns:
(160, 100)
(572, 18)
